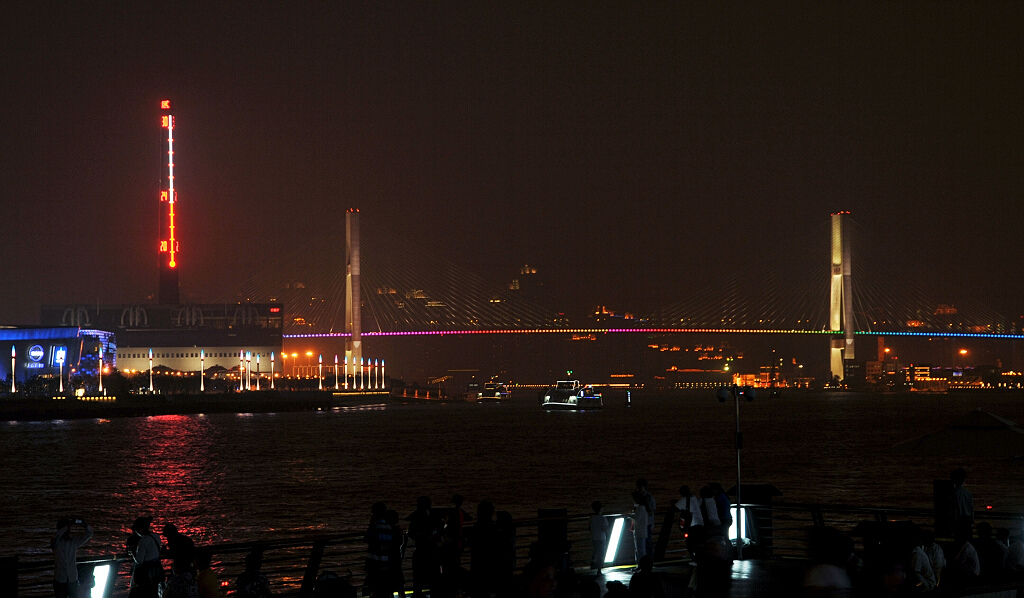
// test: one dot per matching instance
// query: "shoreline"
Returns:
(41, 408)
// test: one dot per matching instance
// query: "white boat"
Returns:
(571, 395)
(494, 392)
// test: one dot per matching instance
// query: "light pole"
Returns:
(309, 367)
(248, 370)
(14, 354)
(59, 357)
(723, 394)
(360, 373)
(241, 370)
(335, 371)
(257, 371)
(295, 363)
(346, 372)
(202, 370)
(271, 370)
(100, 371)
(320, 372)
(382, 373)
(151, 370)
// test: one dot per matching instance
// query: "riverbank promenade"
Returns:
(774, 563)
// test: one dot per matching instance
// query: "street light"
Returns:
(100, 371)
(723, 395)
(335, 371)
(295, 363)
(14, 354)
(271, 370)
(151, 370)
(257, 371)
(202, 370)
(320, 372)
(309, 367)
(59, 357)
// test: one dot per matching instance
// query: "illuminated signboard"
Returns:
(165, 104)
(36, 353)
(60, 355)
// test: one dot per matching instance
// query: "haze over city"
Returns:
(628, 152)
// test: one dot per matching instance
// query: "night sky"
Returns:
(625, 149)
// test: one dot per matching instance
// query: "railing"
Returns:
(293, 565)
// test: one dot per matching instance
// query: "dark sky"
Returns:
(621, 148)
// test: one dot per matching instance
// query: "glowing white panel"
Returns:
(613, 541)
(101, 573)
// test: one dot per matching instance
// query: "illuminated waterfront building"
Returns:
(52, 351)
(177, 333)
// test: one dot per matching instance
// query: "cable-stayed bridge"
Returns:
(842, 285)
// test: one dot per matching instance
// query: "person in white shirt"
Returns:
(936, 556)
(709, 509)
(598, 535)
(65, 546)
(640, 519)
(924, 576)
(691, 521)
(1015, 557)
(144, 548)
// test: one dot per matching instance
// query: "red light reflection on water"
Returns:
(171, 478)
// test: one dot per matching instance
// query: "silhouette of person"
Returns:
(598, 535)
(177, 544)
(252, 583)
(651, 506)
(71, 534)
(181, 584)
(379, 551)
(206, 578)
(424, 530)
(644, 583)
(961, 503)
(144, 548)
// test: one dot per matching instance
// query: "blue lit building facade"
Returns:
(39, 351)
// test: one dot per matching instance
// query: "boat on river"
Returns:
(493, 392)
(572, 396)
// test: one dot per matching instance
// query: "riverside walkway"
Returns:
(776, 554)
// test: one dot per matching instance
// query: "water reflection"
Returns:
(170, 474)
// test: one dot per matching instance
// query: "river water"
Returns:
(245, 477)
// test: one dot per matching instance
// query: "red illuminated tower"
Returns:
(168, 197)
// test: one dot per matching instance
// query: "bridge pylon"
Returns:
(353, 298)
(841, 304)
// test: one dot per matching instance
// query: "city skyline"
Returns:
(639, 151)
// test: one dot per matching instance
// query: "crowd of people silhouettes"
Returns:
(898, 558)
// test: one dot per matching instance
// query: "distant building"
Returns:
(177, 334)
(41, 351)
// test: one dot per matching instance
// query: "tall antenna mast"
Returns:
(168, 242)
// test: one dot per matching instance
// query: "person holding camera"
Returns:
(71, 534)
